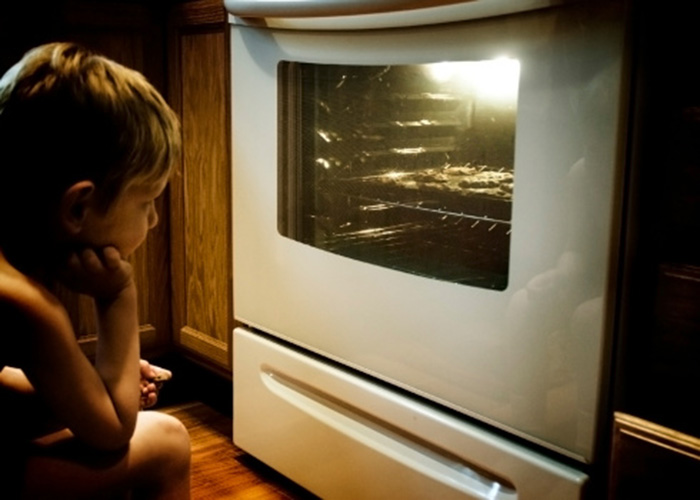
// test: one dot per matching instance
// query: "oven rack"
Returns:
(474, 206)
(440, 212)
(448, 248)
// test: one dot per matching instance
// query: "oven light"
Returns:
(492, 79)
(498, 79)
(441, 72)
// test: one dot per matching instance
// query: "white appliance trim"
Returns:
(370, 14)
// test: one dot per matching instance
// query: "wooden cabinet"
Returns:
(133, 34)
(652, 461)
(656, 430)
(200, 203)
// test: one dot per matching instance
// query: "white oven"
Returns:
(427, 203)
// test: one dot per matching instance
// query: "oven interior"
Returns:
(410, 167)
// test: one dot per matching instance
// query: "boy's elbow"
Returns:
(108, 443)
(113, 439)
(114, 442)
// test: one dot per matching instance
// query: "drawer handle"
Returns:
(323, 8)
(371, 431)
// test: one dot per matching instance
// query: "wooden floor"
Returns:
(220, 470)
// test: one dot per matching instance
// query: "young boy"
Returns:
(86, 146)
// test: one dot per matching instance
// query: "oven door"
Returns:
(370, 241)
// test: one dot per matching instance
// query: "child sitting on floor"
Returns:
(86, 146)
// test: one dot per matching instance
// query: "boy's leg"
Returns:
(156, 465)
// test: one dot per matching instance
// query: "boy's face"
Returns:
(128, 220)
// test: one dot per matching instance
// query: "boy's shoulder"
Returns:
(15, 287)
(23, 297)
(27, 309)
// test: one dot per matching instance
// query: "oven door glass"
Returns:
(409, 167)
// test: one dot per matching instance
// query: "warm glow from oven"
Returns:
(494, 79)
(443, 71)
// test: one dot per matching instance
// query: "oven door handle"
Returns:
(260, 9)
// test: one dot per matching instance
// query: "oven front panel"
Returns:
(521, 341)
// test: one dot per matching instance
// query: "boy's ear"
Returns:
(74, 205)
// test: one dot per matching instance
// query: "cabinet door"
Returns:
(651, 461)
(131, 34)
(201, 188)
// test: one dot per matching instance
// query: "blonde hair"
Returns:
(68, 114)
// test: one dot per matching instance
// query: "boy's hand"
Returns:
(152, 378)
(98, 272)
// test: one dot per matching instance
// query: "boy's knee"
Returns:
(160, 454)
(167, 438)
(175, 434)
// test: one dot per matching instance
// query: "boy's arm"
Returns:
(16, 388)
(118, 353)
(99, 404)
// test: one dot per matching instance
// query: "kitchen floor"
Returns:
(220, 470)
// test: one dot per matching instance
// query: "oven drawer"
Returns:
(340, 436)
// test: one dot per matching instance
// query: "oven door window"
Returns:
(408, 167)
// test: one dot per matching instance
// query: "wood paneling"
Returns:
(201, 189)
(207, 184)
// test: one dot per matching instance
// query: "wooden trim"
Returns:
(200, 12)
(204, 345)
(657, 435)
(651, 461)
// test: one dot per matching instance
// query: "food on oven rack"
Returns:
(474, 190)
(465, 180)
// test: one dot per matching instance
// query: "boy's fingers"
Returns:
(147, 371)
(112, 257)
(91, 262)
(73, 261)
(149, 401)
